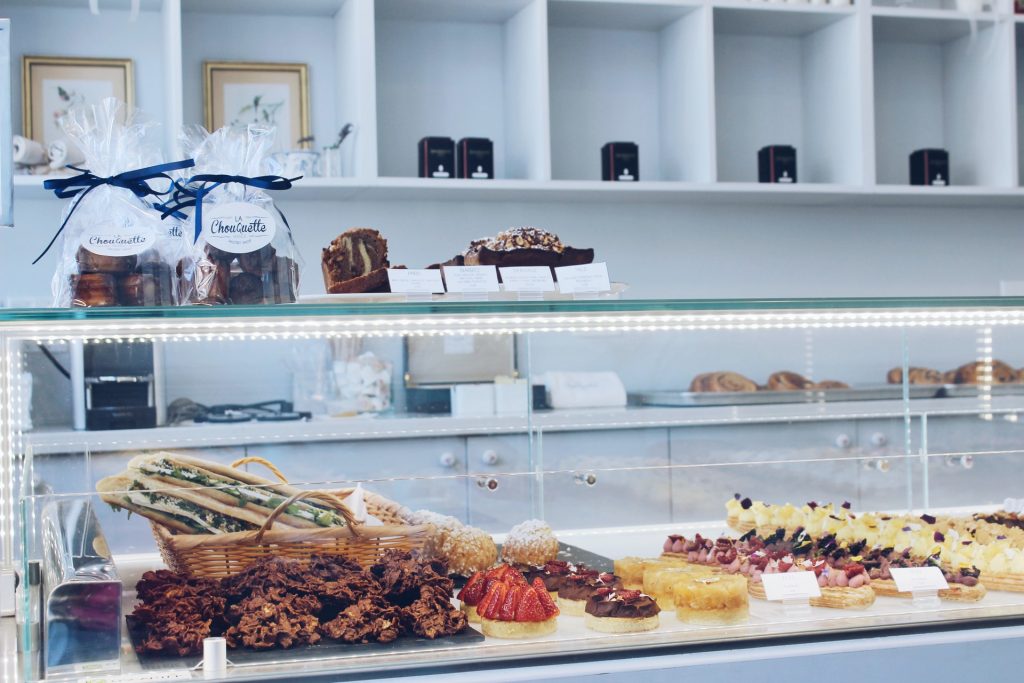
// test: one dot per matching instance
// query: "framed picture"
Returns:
(53, 85)
(240, 93)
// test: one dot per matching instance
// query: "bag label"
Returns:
(238, 227)
(113, 240)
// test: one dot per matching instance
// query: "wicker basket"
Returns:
(220, 555)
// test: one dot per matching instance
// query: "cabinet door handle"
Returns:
(878, 465)
(878, 439)
(487, 483)
(843, 441)
(585, 478)
(447, 460)
(490, 457)
(962, 461)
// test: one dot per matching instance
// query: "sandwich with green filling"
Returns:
(191, 495)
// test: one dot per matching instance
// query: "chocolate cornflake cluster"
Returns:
(283, 603)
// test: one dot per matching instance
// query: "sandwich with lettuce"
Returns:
(195, 496)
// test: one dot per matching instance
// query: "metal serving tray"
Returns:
(880, 392)
(972, 390)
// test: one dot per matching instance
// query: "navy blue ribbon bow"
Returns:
(187, 194)
(137, 182)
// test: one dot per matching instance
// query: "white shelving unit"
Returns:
(700, 85)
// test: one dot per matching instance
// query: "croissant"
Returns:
(975, 373)
(831, 384)
(917, 376)
(722, 381)
(784, 380)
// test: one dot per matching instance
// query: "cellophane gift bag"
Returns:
(114, 249)
(243, 248)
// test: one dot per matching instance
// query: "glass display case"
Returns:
(812, 433)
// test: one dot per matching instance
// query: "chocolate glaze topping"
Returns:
(635, 608)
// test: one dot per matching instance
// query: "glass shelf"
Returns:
(612, 307)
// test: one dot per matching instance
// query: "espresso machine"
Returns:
(117, 386)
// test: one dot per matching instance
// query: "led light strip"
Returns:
(433, 324)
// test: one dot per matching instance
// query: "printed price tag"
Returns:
(415, 281)
(915, 579)
(527, 279)
(791, 586)
(471, 278)
(590, 277)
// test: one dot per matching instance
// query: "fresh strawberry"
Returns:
(602, 591)
(516, 578)
(607, 577)
(473, 591)
(628, 595)
(491, 603)
(550, 608)
(507, 612)
(530, 608)
(853, 568)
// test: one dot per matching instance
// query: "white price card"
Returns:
(415, 281)
(471, 278)
(527, 279)
(590, 277)
(791, 586)
(918, 579)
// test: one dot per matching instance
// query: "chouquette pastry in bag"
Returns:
(190, 495)
(114, 250)
(243, 244)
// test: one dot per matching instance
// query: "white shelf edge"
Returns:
(935, 14)
(421, 189)
(437, 426)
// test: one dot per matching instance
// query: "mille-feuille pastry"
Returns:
(722, 381)
(717, 600)
(964, 584)
(531, 543)
(619, 610)
(982, 372)
(785, 380)
(916, 376)
(841, 588)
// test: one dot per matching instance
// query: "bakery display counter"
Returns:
(790, 631)
(511, 535)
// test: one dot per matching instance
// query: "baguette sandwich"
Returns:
(191, 495)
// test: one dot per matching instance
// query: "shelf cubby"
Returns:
(789, 76)
(62, 28)
(312, 42)
(629, 72)
(937, 84)
(463, 68)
